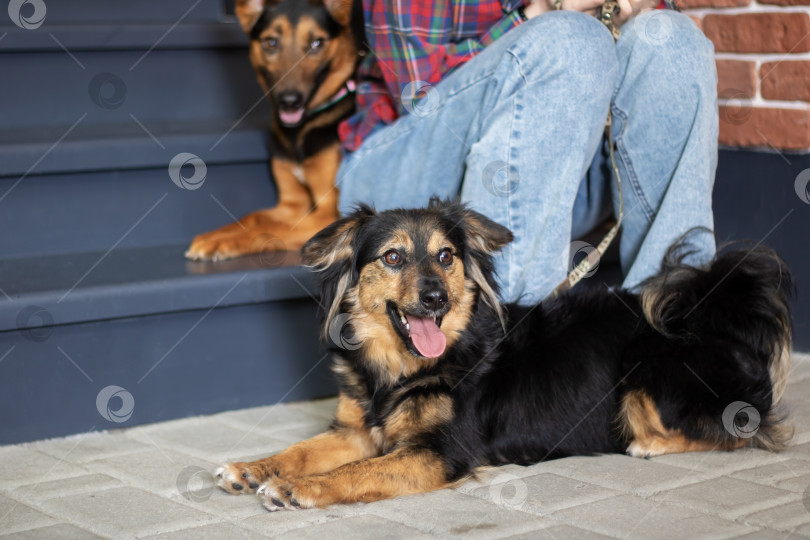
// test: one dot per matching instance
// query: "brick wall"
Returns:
(762, 49)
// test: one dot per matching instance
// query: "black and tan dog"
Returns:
(438, 378)
(304, 54)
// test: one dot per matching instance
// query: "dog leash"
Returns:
(608, 17)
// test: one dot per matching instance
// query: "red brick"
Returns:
(788, 80)
(736, 79)
(759, 32)
(786, 2)
(692, 4)
(784, 129)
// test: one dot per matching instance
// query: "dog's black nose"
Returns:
(433, 299)
(291, 100)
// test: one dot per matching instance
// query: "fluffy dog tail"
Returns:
(740, 298)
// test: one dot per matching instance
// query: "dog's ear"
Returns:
(331, 253)
(334, 244)
(340, 10)
(483, 234)
(248, 12)
(483, 238)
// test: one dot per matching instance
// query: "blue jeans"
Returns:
(518, 133)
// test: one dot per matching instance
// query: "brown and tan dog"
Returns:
(438, 378)
(304, 56)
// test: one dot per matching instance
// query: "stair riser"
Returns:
(94, 211)
(233, 358)
(51, 89)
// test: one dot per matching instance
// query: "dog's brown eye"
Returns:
(392, 258)
(317, 44)
(269, 44)
(445, 256)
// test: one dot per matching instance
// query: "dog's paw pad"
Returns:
(235, 480)
(273, 498)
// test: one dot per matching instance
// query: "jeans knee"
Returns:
(575, 44)
(670, 45)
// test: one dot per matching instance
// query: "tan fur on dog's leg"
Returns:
(402, 472)
(348, 441)
(300, 213)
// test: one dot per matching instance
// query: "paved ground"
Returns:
(155, 481)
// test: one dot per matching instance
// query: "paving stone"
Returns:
(803, 530)
(486, 476)
(275, 523)
(65, 486)
(470, 517)
(727, 497)
(799, 367)
(628, 516)
(625, 473)
(21, 465)
(273, 418)
(772, 474)
(207, 439)
(799, 411)
(62, 531)
(216, 531)
(541, 494)
(783, 517)
(90, 446)
(224, 504)
(719, 462)
(769, 534)
(558, 532)
(798, 484)
(354, 527)
(125, 512)
(797, 451)
(163, 472)
(325, 408)
(16, 516)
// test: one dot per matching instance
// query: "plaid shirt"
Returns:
(416, 43)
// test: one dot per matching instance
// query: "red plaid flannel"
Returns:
(412, 43)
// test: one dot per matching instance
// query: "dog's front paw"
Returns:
(217, 245)
(236, 479)
(644, 450)
(293, 495)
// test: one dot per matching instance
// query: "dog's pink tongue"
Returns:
(426, 336)
(291, 117)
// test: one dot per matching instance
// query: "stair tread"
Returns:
(125, 146)
(118, 283)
